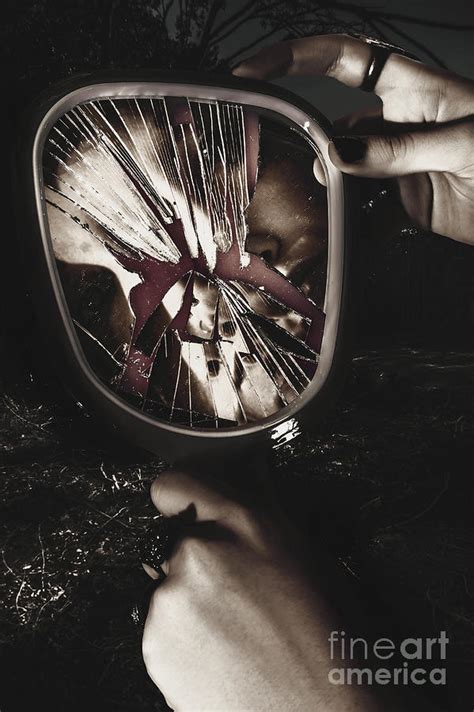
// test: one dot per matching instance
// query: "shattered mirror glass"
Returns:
(190, 239)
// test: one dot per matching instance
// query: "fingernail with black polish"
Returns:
(350, 149)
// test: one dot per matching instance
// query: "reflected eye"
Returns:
(228, 328)
(213, 367)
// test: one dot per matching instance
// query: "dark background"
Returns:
(386, 481)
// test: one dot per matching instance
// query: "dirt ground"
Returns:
(386, 484)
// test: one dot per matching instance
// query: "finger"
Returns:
(174, 492)
(369, 120)
(339, 56)
(319, 173)
(347, 59)
(152, 573)
(441, 149)
(363, 122)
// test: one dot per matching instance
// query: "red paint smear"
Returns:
(159, 276)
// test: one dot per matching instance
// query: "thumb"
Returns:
(443, 149)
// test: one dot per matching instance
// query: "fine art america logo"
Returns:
(413, 654)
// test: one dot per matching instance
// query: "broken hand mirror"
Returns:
(190, 268)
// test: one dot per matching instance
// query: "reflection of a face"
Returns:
(287, 217)
(287, 227)
(229, 361)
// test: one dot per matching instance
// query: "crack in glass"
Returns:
(191, 240)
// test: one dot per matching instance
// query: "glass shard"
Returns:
(191, 243)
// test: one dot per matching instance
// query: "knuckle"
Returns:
(337, 59)
(150, 649)
(466, 132)
(291, 55)
(395, 149)
(391, 150)
(159, 601)
(408, 145)
(159, 485)
(192, 550)
(164, 604)
(342, 45)
(245, 519)
(201, 565)
(152, 643)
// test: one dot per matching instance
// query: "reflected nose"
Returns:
(265, 246)
(206, 324)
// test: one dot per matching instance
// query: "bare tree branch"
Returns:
(254, 18)
(240, 18)
(248, 6)
(425, 23)
(253, 44)
(302, 19)
(376, 14)
(215, 8)
(165, 9)
(107, 48)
